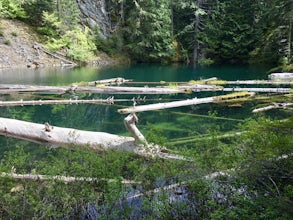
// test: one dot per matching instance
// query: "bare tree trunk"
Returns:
(290, 39)
(68, 137)
(196, 29)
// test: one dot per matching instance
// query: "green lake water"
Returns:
(182, 122)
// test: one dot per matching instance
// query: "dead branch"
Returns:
(129, 123)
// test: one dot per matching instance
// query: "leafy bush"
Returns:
(12, 9)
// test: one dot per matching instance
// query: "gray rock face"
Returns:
(94, 14)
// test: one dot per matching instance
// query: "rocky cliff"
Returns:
(93, 13)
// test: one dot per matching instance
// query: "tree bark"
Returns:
(67, 137)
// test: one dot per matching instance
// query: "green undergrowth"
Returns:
(259, 184)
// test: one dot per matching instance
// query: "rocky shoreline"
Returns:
(21, 47)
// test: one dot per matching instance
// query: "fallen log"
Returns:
(258, 82)
(281, 76)
(272, 106)
(65, 61)
(57, 136)
(268, 90)
(65, 179)
(194, 101)
(113, 81)
(8, 89)
(110, 100)
(68, 137)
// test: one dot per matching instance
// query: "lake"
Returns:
(182, 122)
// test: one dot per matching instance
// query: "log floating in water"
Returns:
(113, 81)
(194, 101)
(110, 100)
(281, 76)
(268, 90)
(7, 89)
(258, 82)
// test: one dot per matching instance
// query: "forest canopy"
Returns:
(202, 31)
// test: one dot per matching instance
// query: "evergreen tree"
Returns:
(147, 30)
(275, 28)
(230, 34)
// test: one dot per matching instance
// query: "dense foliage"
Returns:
(256, 180)
(202, 31)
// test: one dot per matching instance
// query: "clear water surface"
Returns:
(182, 122)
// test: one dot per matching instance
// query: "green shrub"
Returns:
(14, 33)
(7, 42)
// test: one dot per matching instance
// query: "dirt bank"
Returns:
(20, 46)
